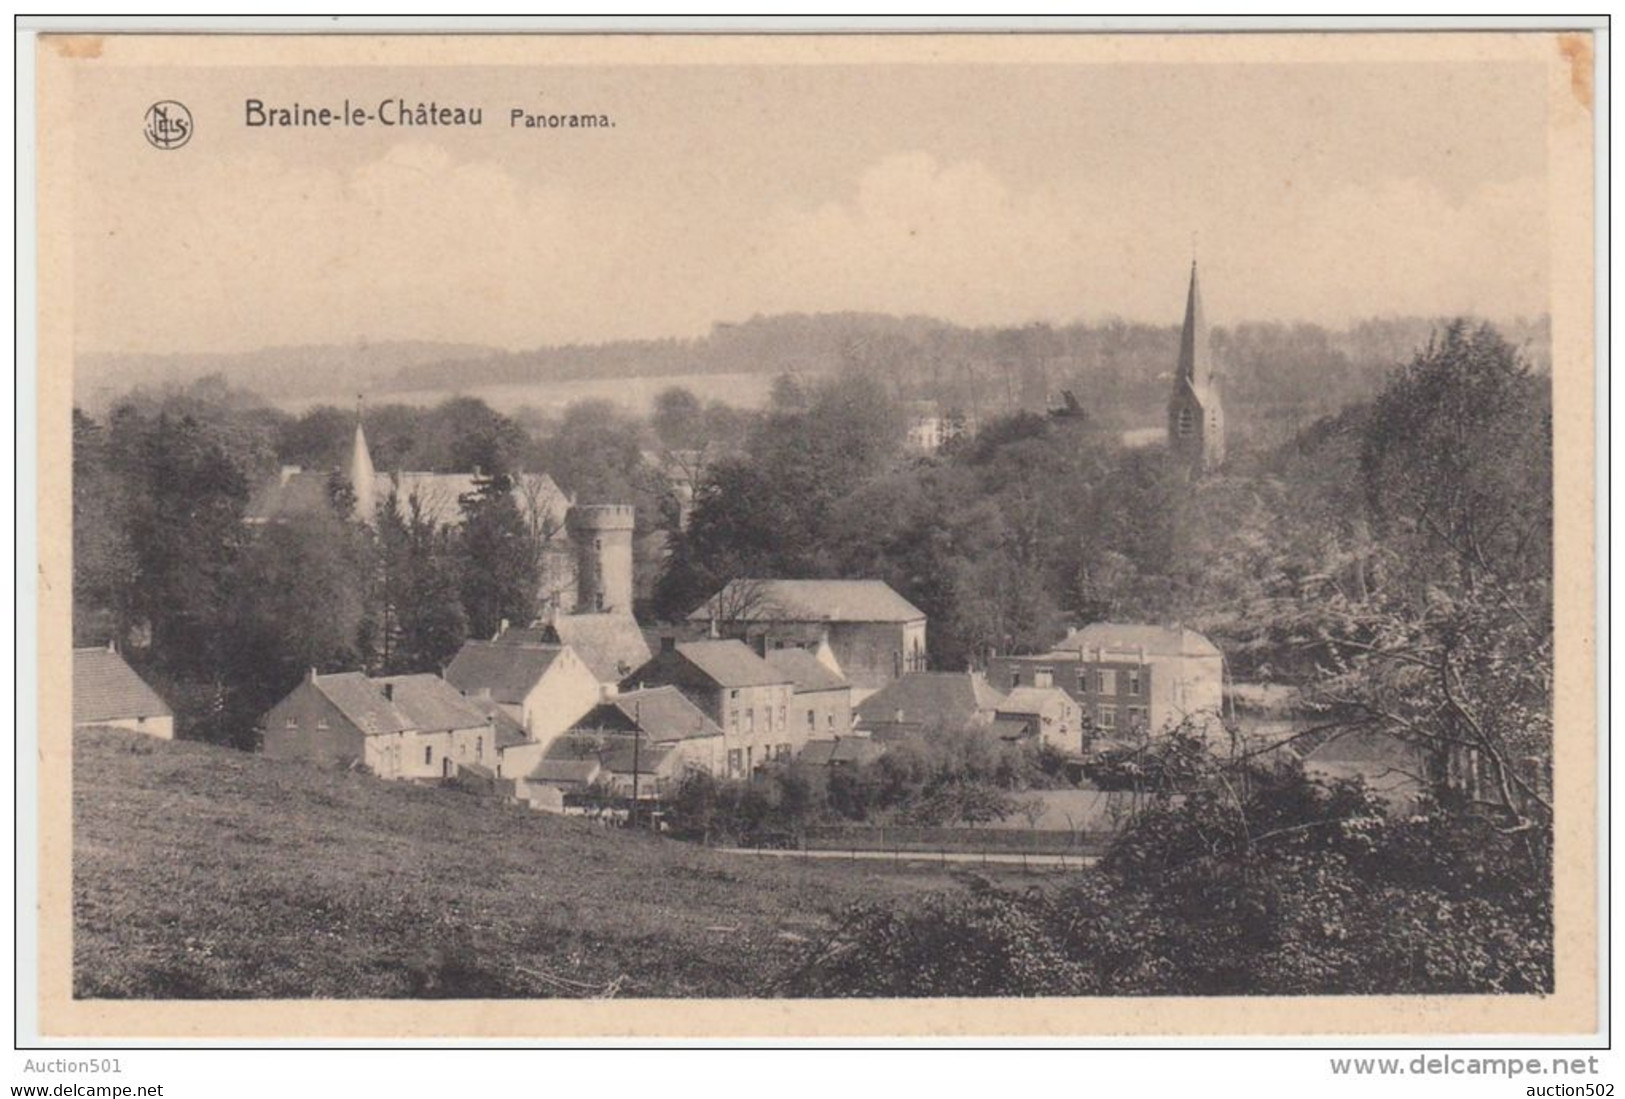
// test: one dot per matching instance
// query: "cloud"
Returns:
(250, 251)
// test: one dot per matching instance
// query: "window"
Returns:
(1106, 681)
(321, 723)
(749, 763)
(784, 717)
(1136, 718)
(291, 723)
(736, 759)
(832, 721)
(1044, 677)
(782, 752)
(750, 720)
(428, 753)
(479, 747)
(733, 720)
(598, 597)
(812, 720)
(1134, 681)
(1108, 717)
(1015, 677)
(734, 693)
(1185, 423)
(1083, 681)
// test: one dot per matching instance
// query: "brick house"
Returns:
(874, 634)
(404, 727)
(1128, 680)
(735, 688)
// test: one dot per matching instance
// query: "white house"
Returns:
(545, 688)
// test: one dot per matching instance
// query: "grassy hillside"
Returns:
(201, 872)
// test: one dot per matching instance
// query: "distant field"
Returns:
(206, 873)
(633, 394)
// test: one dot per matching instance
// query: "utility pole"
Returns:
(637, 741)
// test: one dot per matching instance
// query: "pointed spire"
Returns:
(1195, 362)
(361, 472)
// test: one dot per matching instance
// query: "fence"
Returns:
(922, 838)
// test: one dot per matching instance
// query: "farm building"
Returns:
(741, 692)
(544, 688)
(106, 691)
(407, 727)
(927, 701)
(875, 634)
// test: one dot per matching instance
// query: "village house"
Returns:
(106, 691)
(399, 727)
(839, 752)
(1047, 714)
(821, 698)
(663, 716)
(923, 702)
(1128, 680)
(738, 690)
(612, 646)
(544, 688)
(874, 634)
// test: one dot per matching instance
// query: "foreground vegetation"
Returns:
(201, 872)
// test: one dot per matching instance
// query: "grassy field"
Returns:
(202, 872)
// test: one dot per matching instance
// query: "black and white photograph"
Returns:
(1090, 529)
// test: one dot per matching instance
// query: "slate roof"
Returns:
(810, 601)
(304, 492)
(731, 663)
(805, 670)
(362, 703)
(506, 731)
(612, 646)
(663, 713)
(1155, 640)
(509, 672)
(105, 688)
(430, 704)
(930, 698)
(564, 771)
(1031, 700)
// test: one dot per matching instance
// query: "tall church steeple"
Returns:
(1195, 413)
(362, 475)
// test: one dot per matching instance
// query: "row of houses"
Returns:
(758, 676)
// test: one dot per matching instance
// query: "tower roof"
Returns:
(1195, 360)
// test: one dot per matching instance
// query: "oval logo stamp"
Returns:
(169, 124)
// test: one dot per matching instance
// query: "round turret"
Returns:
(602, 535)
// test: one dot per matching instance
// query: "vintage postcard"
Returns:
(816, 535)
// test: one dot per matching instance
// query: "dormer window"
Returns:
(1186, 423)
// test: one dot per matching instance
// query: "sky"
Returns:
(982, 195)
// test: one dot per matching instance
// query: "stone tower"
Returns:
(602, 534)
(1195, 413)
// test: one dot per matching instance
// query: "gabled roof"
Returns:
(509, 672)
(507, 732)
(429, 703)
(565, 771)
(105, 688)
(805, 670)
(808, 601)
(1032, 700)
(663, 713)
(362, 703)
(730, 663)
(1155, 640)
(290, 493)
(610, 645)
(930, 698)
(647, 757)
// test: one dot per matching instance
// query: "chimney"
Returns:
(112, 645)
(310, 676)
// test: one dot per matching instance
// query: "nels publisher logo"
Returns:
(169, 124)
